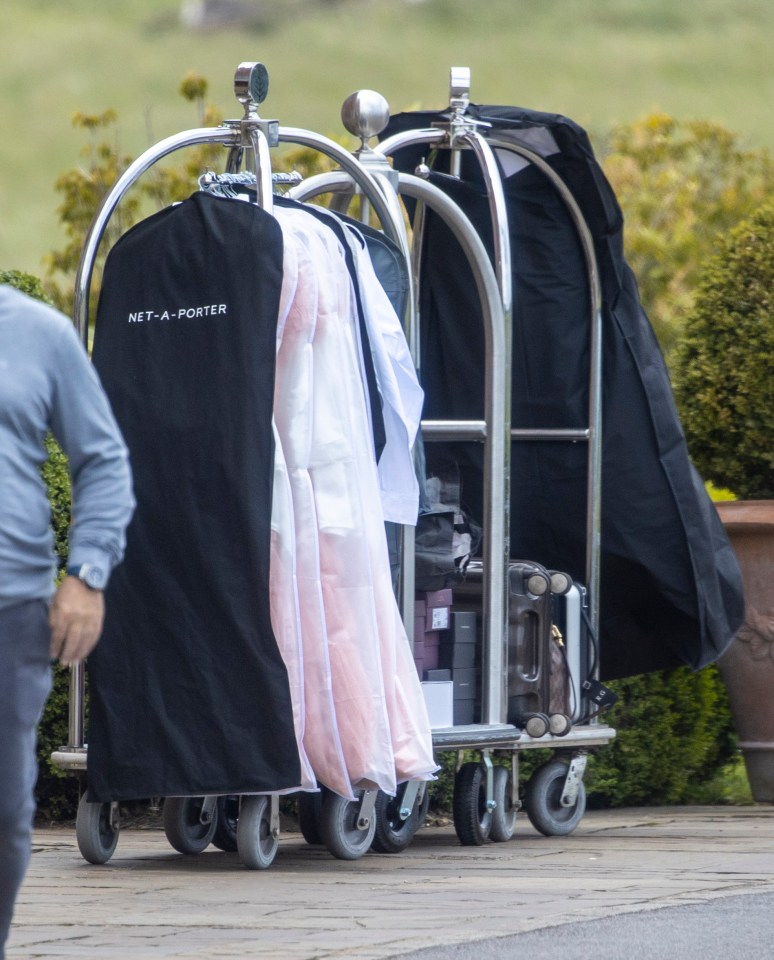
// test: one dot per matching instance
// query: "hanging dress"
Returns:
(358, 690)
(293, 420)
(357, 527)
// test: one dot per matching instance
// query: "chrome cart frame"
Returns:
(486, 798)
(257, 831)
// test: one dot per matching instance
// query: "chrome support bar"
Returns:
(274, 815)
(497, 418)
(365, 180)
(572, 435)
(454, 429)
(594, 469)
(75, 730)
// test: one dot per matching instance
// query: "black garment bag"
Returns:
(188, 692)
(670, 586)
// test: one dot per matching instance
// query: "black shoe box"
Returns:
(458, 649)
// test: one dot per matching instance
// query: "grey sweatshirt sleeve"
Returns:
(84, 426)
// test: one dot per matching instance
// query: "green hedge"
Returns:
(724, 385)
(674, 736)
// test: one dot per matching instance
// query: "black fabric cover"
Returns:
(188, 692)
(670, 586)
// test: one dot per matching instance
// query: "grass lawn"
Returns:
(597, 61)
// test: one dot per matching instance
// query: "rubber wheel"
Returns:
(391, 834)
(504, 813)
(472, 820)
(183, 827)
(96, 836)
(256, 844)
(543, 801)
(339, 830)
(309, 809)
(227, 815)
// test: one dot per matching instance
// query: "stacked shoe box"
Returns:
(432, 620)
(455, 660)
(432, 615)
(458, 653)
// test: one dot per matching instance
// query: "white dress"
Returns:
(324, 430)
(298, 523)
(337, 367)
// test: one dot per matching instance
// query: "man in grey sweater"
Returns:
(47, 384)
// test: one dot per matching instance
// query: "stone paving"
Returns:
(150, 902)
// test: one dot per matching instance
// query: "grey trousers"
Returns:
(25, 682)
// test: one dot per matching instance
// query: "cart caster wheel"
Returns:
(309, 811)
(504, 813)
(188, 827)
(543, 798)
(256, 843)
(559, 724)
(339, 827)
(95, 832)
(226, 817)
(472, 820)
(392, 835)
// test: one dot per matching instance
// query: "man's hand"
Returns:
(76, 618)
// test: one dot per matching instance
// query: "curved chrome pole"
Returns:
(494, 430)
(366, 181)
(409, 138)
(497, 442)
(230, 136)
(263, 181)
(498, 212)
(594, 469)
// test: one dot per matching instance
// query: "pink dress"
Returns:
(349, 617)
(300, 565)
(410, 733)
(358, 687)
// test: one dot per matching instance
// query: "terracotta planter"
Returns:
(747, 667)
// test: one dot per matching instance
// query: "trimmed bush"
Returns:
(725, 365)
(674, 734)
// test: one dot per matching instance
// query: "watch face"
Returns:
(92, 576)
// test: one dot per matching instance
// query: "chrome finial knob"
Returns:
(365, 114)
(251, 83)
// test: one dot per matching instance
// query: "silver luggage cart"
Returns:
(487, 794)
(248, 824)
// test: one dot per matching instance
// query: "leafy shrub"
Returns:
(26, 283)
(681, 185)
(674, 733)
(725, 364)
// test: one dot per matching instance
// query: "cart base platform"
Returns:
(507, 736)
